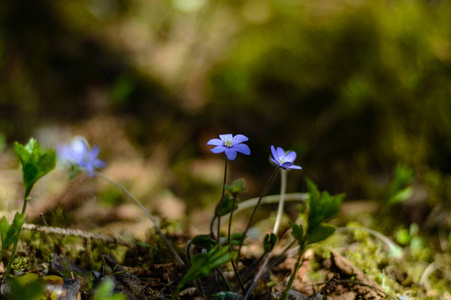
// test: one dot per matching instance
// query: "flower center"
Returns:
(282, 160)
(228, 143)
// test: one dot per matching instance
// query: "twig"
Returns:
(74, 232)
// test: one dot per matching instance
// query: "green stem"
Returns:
(265, 190)
(147, 213)
(16, 242)
(221, 202)
(293, 275)
(230, 245)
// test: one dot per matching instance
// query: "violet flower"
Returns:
(230, 145)
(284, 161)
(78, 153)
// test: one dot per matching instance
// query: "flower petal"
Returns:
(230, 153)
(242, 148)
(218, 149)
(290, 156)
(274, 154)
(94, 152)
(275, 161)
(215, 142)
(286, 165)
(239, 138)
(295, 167)
(280, 152)
(99, 164)
(225, 137)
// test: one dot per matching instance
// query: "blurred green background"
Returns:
(354, 87)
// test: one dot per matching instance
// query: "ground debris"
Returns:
(131, 285)
(341, 265)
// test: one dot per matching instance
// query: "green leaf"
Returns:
(402, 236)
(142, 244)
(36, 163)
(9, 234)
(321, 206)
(320, 233)
(399, 188)
(236, 187)
(27, 287)
(204, 241)
(235, 238)
(297, 232)
(105, 291)
(226, 206)
(204, 264)
(269, 242)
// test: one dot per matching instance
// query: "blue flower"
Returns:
(230, 145)
(284, 161)
(78, 153)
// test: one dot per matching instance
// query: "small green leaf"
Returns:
(399, 188)
(36, 163)
(269, 242)
(204, 264)
(402, 236)
(105, 291)
(320, 233)
(297, 232)
(236, 187)
(204, 241)
(235, 238)
(9, 234)
(226, 206)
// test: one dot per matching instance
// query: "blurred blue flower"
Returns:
(78, 153)
(230, 145)
(284, 161)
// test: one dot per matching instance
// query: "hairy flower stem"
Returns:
(179, 259)
(293, 274)
(16, 242)
(265, 190)
(230, 245)
(283, 189)
(221, 202)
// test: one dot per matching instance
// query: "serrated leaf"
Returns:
(320, 233)
(35, 163)
(269, 242)
(204, 241)
(322, 206)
